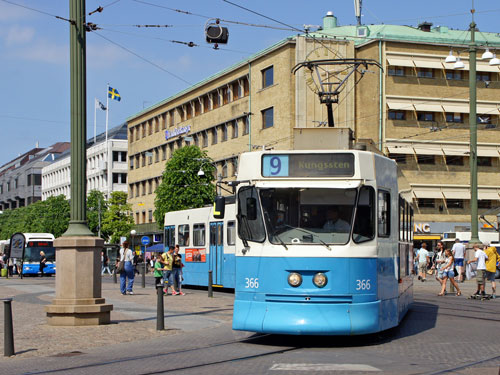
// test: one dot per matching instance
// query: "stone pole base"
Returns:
(78, 299)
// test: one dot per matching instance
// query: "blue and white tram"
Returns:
(206, 244)
(324, 243)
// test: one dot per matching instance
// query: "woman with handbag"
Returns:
(126, 269)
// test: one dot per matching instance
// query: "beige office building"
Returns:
(415, 109)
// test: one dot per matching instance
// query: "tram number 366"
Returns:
(363, 284)
(252, 283)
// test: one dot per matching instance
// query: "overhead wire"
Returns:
(39, 11)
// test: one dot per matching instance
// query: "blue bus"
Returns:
(35, 243)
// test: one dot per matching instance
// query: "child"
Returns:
(158, 270)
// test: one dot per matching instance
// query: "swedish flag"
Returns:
(114, 94)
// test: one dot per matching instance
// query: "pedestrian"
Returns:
(439, 261)
(458, 251)
(43, 262)
(127, 257)
(104, 263)
(158, 270)
(423, 261)
(167, 261)
(177, 270)
(480, 257)
(447, 271)
(491, 267)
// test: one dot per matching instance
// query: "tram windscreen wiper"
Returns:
(280, 240)
(312, 234)
(243, 219)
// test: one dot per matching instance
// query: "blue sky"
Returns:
(34, 52)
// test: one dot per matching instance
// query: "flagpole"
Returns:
(107, 112)
(95, 118)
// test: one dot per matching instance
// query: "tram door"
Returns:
(216, 250)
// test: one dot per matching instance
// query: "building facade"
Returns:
(106, 166)
(414, 109)
(21, 178)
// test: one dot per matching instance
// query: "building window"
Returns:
(206, 103)
(224, 132)
(143, 217)
(131, 135)
(224, 170)
(215, 100)
(396, 71)
(484, 204)
(205, 139)
(455, 117)
(397, 115)
(164, 152)
(171, 117)
(119, 178)
(483, 120)
(268, 77)
(426, 159)
(246, 125)
(189, 111)
(425, 73)
(225, 95)
(268, 118)
(137, 217)
(157, 155)
(150, 216)
(157, 124)
(196, 140)
(426, 203)
(399, 159)
(425, 116)
(235, 128)
(455, 203)
(150, 187)
(454, 74)
(137, 190)
(483, 76)
(214, 135)
(197, 107)
(483, 161)
(455, 160)
(143, 188)
(235, 88)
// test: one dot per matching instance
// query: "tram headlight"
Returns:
(294, 279)
(320, 280)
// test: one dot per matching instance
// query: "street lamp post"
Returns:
(473, 133)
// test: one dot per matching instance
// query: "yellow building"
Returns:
(415, 109)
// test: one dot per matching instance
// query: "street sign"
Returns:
(145, 240)
(17, 242)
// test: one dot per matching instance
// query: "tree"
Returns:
(117, 220)
(56, 215)
(96, 205)
(181, 186)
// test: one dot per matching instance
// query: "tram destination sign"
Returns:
(308, 165)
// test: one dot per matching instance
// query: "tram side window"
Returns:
(231, 231)
(183, 235)
(169, 236)
(364, 224)
(250, 223)
(401, 219)
(384, 213)
(199, 235)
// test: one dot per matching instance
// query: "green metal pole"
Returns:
(78, 221)
(473, 135)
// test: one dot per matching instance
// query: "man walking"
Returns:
(458, 251)
(168, 277)
(480, 257)
(423, 261)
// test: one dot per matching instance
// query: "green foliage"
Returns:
(96, 202)
(117, 220)
(181, 187)
(49, 216)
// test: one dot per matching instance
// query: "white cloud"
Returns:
(101, 56)
(9, 12)
(44, 51)
(19, 35)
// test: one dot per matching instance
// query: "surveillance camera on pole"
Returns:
(215, 33)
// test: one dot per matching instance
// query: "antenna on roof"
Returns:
(357, 10)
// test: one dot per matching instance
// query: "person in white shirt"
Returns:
(458, 251)
(480, 257)
(127, 256)
(423, 261)
(334, 223)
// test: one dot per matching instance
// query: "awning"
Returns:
(426, 236)
(428, 107)
(428, 150)
(489, 152)
(400, 61)
(488, 194)
(458, 151)
(456, 108)
(427, 193)
(456, 194)
(428, 63)
(158, 247)
(401, 106)
(487, 109)
(486, 68)
(400, 150)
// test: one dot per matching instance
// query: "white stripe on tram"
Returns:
(322, 367)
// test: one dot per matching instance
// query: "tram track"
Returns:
(159, 355)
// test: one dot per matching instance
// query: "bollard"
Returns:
(114, 276)
(210, 291)
(144, 275)
(160, 318)
(8, 341)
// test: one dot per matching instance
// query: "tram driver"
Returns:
(334, 223)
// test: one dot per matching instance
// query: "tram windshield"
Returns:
(292, 216)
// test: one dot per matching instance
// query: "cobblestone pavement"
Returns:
(133, 316)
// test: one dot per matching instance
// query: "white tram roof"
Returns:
(364, 165)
